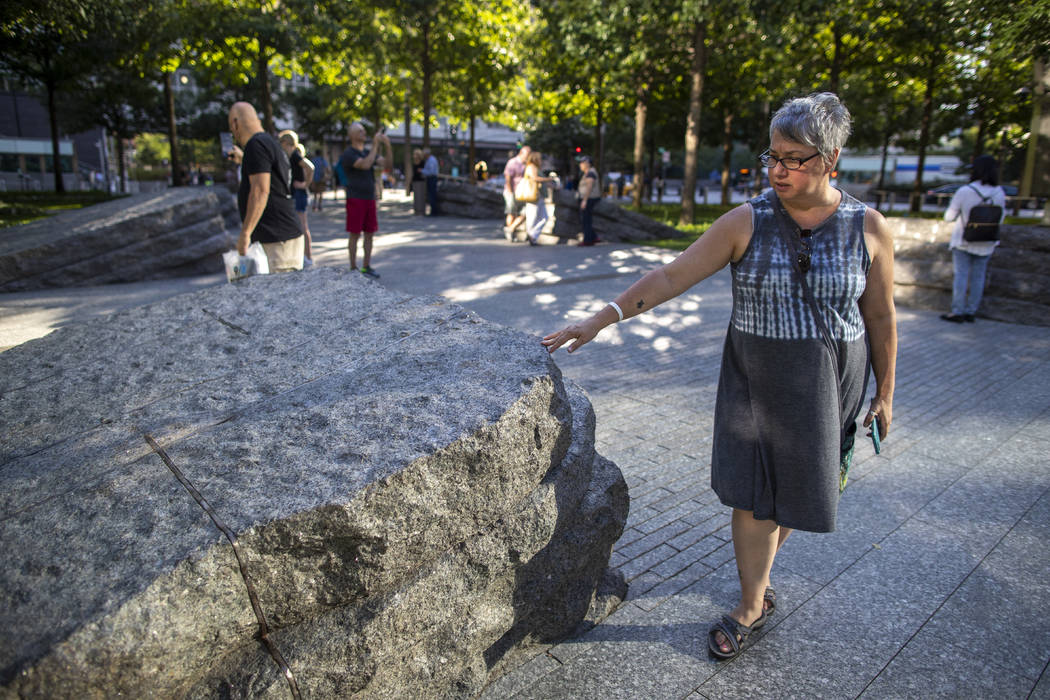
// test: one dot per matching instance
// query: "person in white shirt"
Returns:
(971, 257)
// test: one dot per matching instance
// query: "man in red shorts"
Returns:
(358, 162)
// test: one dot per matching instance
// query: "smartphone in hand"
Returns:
(226, 139)
(875, 435)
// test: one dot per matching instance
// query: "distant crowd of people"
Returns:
(276, 183)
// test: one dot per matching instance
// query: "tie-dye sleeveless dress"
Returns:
(781, 419)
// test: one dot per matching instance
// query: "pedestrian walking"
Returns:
(812, 272)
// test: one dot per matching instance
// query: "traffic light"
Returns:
(578, 149)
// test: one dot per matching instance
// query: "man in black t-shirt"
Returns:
(264, 197)
(357, 162)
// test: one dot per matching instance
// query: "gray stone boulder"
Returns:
(611, 221)
(177, 232)
(1017, 289)
(458, 198)
(413, 492)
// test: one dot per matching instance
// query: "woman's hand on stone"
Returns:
(582, 333)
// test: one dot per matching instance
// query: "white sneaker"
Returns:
(307, 262)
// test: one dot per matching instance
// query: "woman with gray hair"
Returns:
(813, 310)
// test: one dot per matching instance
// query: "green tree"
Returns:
(51, 44)
(1025, 29)
(578, 69)
(109, 98)
(484, 57)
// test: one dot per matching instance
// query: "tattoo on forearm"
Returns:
(640, 304)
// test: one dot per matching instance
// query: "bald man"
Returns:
(265, 197)
(358, 162)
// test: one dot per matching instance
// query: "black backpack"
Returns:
(983, 222)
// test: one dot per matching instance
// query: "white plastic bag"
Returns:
(241, 266)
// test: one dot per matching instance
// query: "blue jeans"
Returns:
(968, 287)
(535, 218)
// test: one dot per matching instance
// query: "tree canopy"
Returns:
(623, 78)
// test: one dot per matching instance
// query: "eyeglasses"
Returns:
(803, 258)
(769, 161)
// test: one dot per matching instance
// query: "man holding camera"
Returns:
(264, 197)
(358, 161)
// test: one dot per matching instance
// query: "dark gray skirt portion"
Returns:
(780, 427)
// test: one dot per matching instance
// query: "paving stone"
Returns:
(697, 532)
(685, 558)
(869, 510)
(676, 583)
(664, 519)
(999, 598)
(638, 514)
(633, 654)
(989, 499)
(520, 678)
(930, 667)
(640, 586)
(647, 561)
(860, 620)
(652, 540)
(1042, 688)
(719, 557)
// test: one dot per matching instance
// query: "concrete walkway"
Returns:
(934, 583)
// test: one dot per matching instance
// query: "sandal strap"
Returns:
(730, 628)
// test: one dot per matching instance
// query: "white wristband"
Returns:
(619, 311)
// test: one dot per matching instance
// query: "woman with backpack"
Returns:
(972, 244)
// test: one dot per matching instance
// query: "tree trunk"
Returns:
(599, 143)
(924, 132)
(982, 130)
(472, 154)
(653, 166)
(427, 68)
(267, 97)
(377, 119)
(173, 137)
(836, 59)
(692, 130)
(409, 163)
(122, 170)
(641, 110)
(1035, 178)
(727, 154)
(56, 154)
(885, 154)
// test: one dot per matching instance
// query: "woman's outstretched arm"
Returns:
(725, 241)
